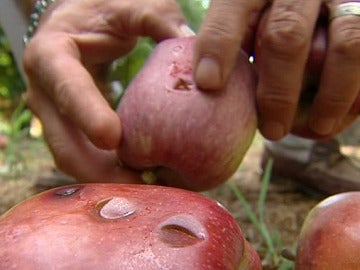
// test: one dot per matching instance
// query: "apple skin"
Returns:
(122, 226)
(312, 75)
(330, 236)
(186, 137)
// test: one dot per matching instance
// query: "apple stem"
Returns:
(148, 177)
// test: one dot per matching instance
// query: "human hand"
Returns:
(66, 63)
(287, 38)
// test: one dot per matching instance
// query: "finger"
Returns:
(285, 44)
(340, 80)
(159, 19)
(72, 89)
(219, 40)
(72, 151)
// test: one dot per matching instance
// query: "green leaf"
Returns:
(194, 11)
(127, 67)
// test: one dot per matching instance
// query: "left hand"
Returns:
(66, 63)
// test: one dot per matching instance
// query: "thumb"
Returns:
(219, 40)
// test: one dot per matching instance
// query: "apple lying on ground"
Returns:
(312, 76)
(184, 136)
(330, 236)
(119, 226)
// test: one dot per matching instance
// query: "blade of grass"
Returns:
(245, 204)
(259, 223)
(261, 208)
(264, 189)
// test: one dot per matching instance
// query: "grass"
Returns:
(271, 238)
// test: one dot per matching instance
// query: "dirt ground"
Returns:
(286, 206)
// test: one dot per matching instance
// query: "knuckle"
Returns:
(159, 9)
(347, 42)
(277, 100)
(63, 97)
(219, 34)
(335, 104)
(286, 34)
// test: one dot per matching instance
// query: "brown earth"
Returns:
(33, 171)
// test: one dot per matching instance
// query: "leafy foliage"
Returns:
(194, 11)
(16, 128)
(11, 83)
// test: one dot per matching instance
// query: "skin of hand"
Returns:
(286, 44)
(66, 62)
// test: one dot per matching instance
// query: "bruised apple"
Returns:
(311, 81)
(114, 226)
(183, 136)
(330, 236)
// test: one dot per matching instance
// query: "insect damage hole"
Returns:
(183, 84)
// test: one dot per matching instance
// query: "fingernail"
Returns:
(273, 130)
(322, 126)
(207, 74)
(186, 30)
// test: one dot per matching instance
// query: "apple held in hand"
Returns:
(186, 137)
(330, 236)
(114, 226)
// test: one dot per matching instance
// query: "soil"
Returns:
(286, 206)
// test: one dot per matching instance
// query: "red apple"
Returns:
(311, 81)
(330, 236)
(186, 137)
(114, 226)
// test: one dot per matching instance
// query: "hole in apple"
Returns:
(67, 191)
(115, 208)
(182, 231)
(183, 84)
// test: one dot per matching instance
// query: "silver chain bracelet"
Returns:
(39, 9)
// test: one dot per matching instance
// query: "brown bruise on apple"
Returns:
(183, 84)
(181, 72)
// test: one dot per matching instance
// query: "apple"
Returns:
(312, 75)
(122, 226)
(183, 136)
(330, 236)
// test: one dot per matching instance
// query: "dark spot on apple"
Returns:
(66, 192)
(183, 85)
